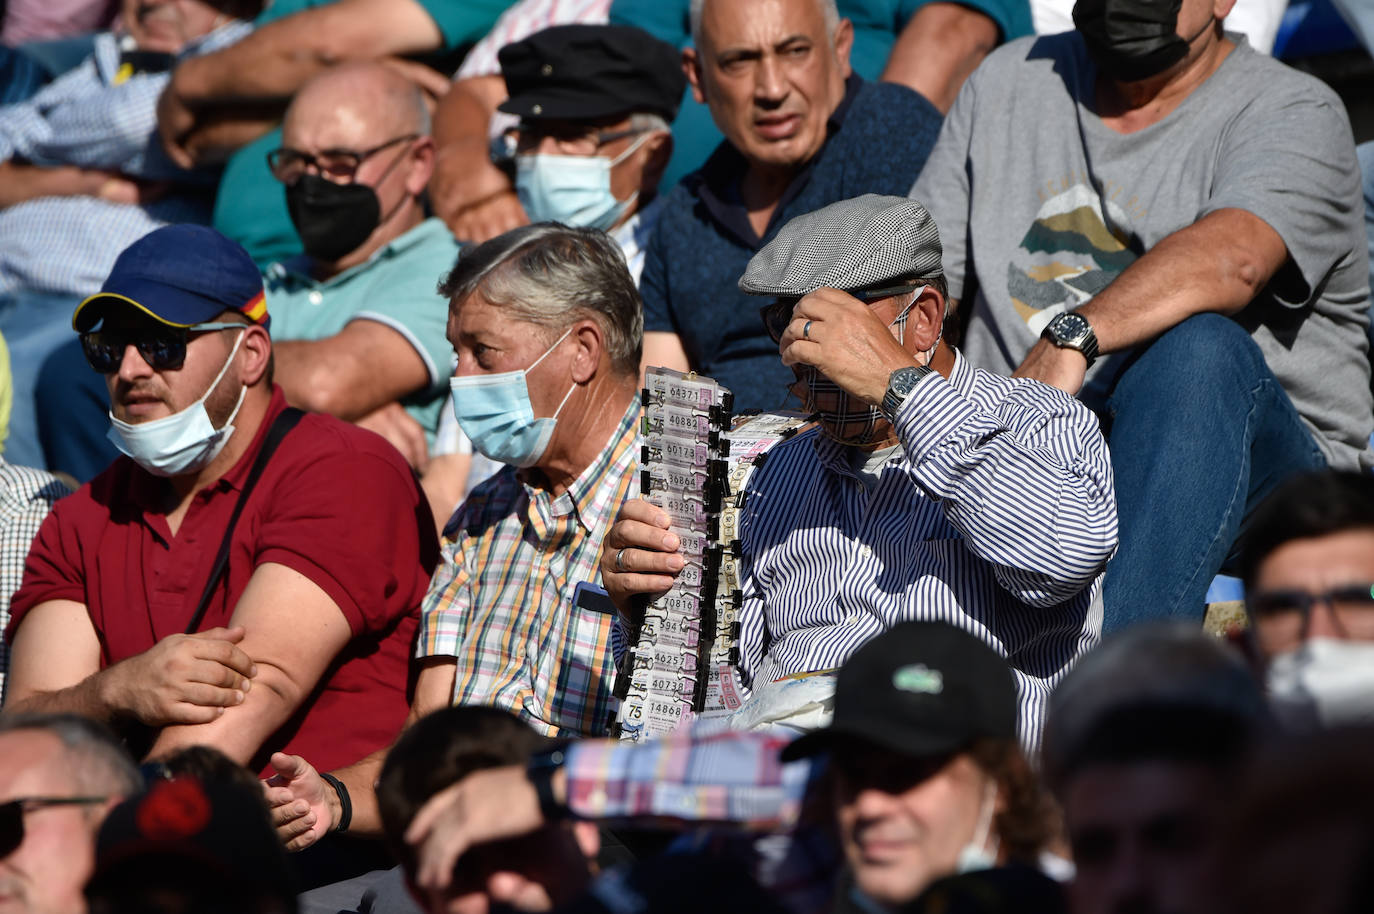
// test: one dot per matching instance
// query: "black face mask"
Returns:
(1130, 40)
(332, 219)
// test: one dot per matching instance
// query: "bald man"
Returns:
(358, 325)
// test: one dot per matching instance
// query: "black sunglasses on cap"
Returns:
(12, 816)
(777, 314)
(162, 349)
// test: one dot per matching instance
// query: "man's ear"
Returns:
(422, 166)
(659, 149)
(692, 67)
(588, 838)
(254, 355)
(591, 343)
(844, 43)
(926, 321)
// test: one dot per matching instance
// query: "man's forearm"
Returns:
(360, 780)
(91, 697)
(1219, 263)
(939, 47)
(20, 183)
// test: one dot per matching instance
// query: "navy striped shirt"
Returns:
(996, 514)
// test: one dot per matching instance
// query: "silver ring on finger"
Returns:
(620, 560)
(806, 330)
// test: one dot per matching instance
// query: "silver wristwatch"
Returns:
(899, 384)
(1071, 330)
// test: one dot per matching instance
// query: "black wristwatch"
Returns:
(1071, 330)
(899, 385)
(540, 771)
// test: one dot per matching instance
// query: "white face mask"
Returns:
(184, 442)
(573, 190)
(1325, 682)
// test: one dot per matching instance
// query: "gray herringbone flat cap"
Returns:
(852, 244)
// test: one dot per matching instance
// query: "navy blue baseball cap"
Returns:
(180, 275)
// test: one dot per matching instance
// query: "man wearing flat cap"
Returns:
(587, 109)
(300, 640)
(930, 490)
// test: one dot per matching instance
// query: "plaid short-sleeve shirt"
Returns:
(501, 601)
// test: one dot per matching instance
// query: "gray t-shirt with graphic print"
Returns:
(1040, 205)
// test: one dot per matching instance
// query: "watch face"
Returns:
(1070, 326)
(903, 380)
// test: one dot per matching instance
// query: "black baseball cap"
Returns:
(920, 689)
(591, 72)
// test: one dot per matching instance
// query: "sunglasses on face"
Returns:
(778, 313)
(162, 349)
(12, 816)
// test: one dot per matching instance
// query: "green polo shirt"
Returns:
(395, 287)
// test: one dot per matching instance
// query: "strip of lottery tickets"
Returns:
(695, 460)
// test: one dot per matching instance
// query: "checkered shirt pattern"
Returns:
(87, 118)
(501, 602)
(729, 776)
(26, 497)
(851, 244)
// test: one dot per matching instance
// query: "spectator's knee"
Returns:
(1204, 352)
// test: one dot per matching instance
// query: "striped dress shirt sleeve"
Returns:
(995, 513)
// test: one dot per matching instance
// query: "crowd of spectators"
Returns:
(323, 326)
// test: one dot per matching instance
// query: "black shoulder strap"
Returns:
(285, 421)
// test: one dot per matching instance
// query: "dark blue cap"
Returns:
(180, 275)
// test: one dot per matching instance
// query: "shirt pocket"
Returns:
(581, 701)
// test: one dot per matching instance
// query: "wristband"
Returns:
(540, 771)
(345, 802)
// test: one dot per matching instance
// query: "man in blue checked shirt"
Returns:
(82, 177)
(930, 490)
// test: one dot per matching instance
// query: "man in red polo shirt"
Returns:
(303, 644)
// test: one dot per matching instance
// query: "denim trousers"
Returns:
(1200, 432)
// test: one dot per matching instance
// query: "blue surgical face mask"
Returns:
(495, 412)
(184, 442)
(574, 190)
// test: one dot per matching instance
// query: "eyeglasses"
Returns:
(570, 139)
(12, 816)
(1286, 615)
(777, 314)
(162, 349)
(341, 165)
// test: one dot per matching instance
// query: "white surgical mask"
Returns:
(1325, 682)
(977, 855)
(184, 442)
(574, 190)
(495, 412)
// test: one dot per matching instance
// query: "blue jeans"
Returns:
(34, 325)
(1200, 432)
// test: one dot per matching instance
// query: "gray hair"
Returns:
(828, 9)
(552, 275)
(96, 760)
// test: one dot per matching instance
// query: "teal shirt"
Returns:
(396, 287)
(251, 205)
(876, 26)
